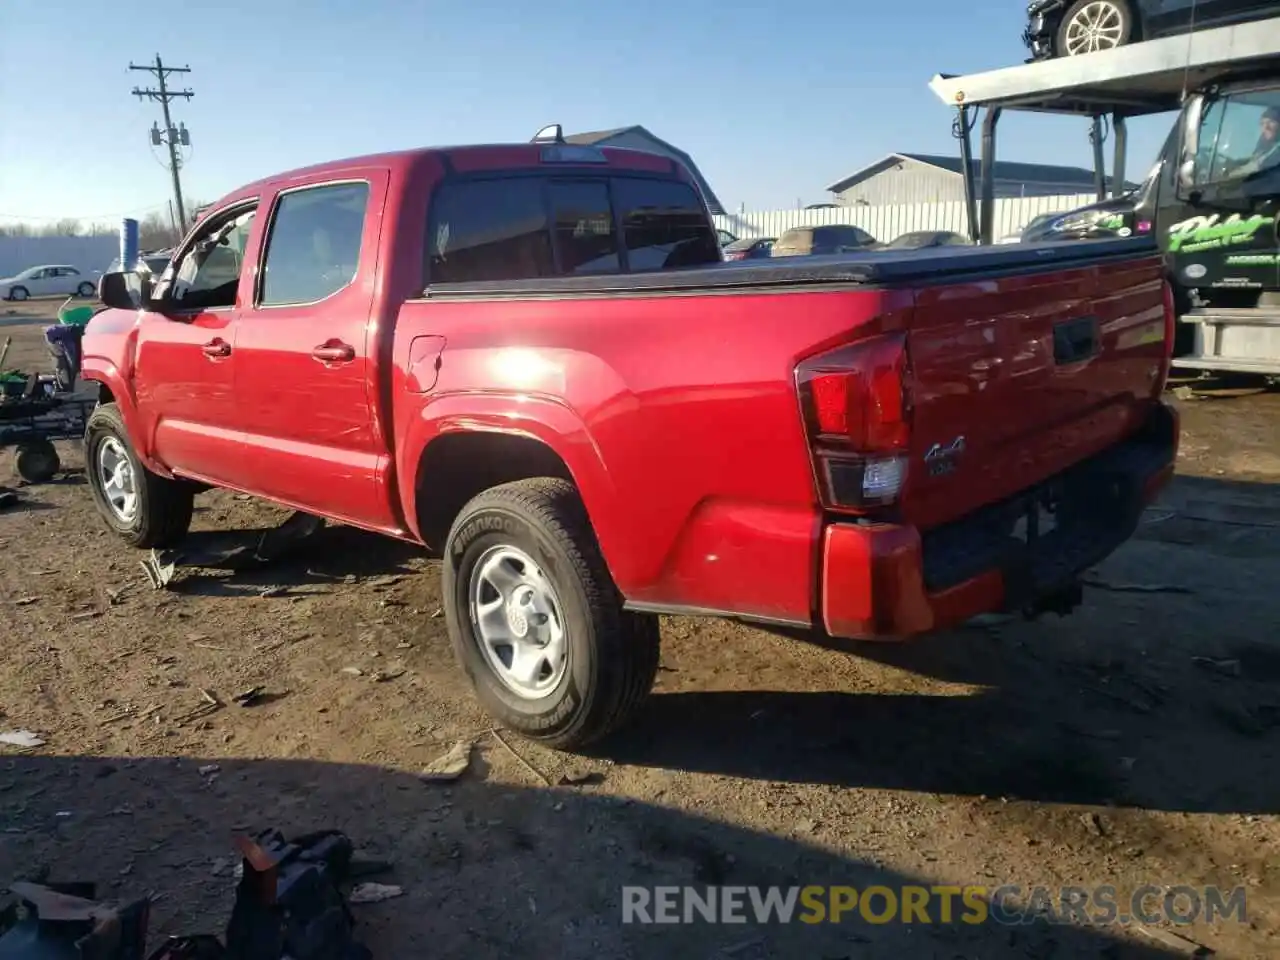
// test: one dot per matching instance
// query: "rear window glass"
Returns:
(489, 230)
(585, 236)
(521, 228)
(664, 224)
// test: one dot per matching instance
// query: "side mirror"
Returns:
(125, 291)
(1188, 147)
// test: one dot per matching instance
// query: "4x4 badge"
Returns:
(941, 458)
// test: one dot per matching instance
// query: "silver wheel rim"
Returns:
(1095, 26)
(515, 614)
(19, 295)
(115, 476)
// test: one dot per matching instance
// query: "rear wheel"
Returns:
(144, 509)
(38, 461)
(18, 293)
(1092, 25)
(536, 621)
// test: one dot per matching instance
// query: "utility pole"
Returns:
(172, 136)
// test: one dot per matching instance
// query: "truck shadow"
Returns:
(218, 562)
(486, 869)
(1162, 692)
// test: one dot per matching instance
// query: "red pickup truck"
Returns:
(531, 359)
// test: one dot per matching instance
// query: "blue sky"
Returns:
(773, 100)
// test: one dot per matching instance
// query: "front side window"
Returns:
(1239, 138)
(209, 272)
(313, 250)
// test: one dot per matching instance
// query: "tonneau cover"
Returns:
(930, 265)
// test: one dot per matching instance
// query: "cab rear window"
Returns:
(525, 227)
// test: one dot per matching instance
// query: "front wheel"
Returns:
(86, 289)
(144, 509)
(1092, 25)
(536, 621)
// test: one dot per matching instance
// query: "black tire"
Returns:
(86, 289)
(163, 513)
(37, 461)
(1122, 10)
(19, 293)
(612, 656)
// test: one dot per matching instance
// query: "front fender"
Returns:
(102, 371)
(546, 420)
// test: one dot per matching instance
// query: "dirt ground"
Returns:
(1095, 749)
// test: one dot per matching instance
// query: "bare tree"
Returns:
(66, 227)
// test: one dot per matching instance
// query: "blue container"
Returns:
(128, 244)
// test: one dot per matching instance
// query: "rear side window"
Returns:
(314, 247)
(489, 230)
(663, 224)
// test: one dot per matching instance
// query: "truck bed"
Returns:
(872, 268)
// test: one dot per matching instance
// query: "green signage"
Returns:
(1208, 233)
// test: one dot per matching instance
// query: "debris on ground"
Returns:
(209, 769)
(21, 738)
(352, 671)
(158, 570)
(249, 697)
(523, 762)
(1094, 823)
(1184, 947)
(25, 601)
(1137, 587)
(1228, 667)
(580, 777)
(8, 498)
(451, 766)
(49, 918)
(232, 550)
(374, 893)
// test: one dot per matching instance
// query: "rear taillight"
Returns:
(735, 256)
(857, 412)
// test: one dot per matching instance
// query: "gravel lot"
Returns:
(1132, 743)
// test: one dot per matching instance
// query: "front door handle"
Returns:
(217, 348)
(334, 352)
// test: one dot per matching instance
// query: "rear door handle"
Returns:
(217, 348)
(334, 352)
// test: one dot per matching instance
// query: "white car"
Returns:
(48, 281)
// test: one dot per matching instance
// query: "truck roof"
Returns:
(1134, 79)
(464, 158)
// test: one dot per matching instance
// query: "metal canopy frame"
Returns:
(1108, 87)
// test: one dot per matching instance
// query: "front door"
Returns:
(1223, 234)
(186, 353)
(304, 368)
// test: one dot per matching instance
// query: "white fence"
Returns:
(887, 222)
(86, 254)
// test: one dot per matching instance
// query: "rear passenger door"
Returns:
(304, 352)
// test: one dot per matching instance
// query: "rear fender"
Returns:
(537, 418)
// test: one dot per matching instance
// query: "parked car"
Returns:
(1035, 225)
(725, 238)
(750, 248)
(814, 241)
(921, 239)
(58, 280)
(1065, 28)
(153, 262)
(589, 438)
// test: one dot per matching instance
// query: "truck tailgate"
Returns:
(1015, 379)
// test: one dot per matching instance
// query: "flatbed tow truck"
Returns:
(1212, 199)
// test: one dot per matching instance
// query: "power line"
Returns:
(171, 136)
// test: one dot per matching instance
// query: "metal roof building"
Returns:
(903, 178)
(638, 138)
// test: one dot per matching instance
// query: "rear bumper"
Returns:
(886, 581)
